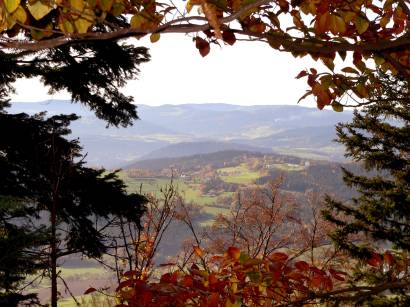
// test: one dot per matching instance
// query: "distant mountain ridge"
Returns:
(167, 130)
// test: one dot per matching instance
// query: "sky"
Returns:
(247, 73)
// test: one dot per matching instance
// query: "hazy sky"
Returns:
(247, 73)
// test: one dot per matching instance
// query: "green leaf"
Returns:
(38, 10)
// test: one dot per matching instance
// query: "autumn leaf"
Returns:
(154, 37)
(302, 74)
(38, 10)
(375, 260)
(210, 14)
(11, 5)
(388, 258)
(322, 23)
(361, 24)
(228, 37)
(337, 107)
(90, 290)
(279, 257)
(302, 265)
(202, 45)
(198, 251)
(233, 253)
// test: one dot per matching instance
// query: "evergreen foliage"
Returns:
(378, 137)
(379, 217)
(92, 73)
(58, 197)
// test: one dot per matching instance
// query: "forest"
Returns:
(231, 228)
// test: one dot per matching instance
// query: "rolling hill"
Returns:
(181, 130)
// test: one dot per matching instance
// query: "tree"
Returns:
(379, 217)
(16, 243)
(91, 73)
(376, 30)
(260, 221)
(44, 170)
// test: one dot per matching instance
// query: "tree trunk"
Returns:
(53, 256)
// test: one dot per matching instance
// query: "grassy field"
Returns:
(239, 174)
(190, 192)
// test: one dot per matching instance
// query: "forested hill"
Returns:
(291, 129)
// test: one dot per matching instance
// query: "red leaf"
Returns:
(302, 74)
(375, 260)
(317, 271)
(90, 290)
(202, 45)
(188, 281)
(282, 257)
(229, 37)
(317, 281)
(212, 279)
(167, 264)
(302, 266)
(337, 274)
(213, 300)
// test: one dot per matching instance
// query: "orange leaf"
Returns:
(198, 251)
(233, 253)
(211, 14)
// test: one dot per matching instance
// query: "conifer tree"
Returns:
(379, 138)
(58, 196)
(378, 216)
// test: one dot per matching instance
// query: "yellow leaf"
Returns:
(11, 5)
(77, 5)
(82, 25)
(190, 4)
(106, 5)
(361, 24)
(154, 37)
(137, 21)
(66, 26)
(20, 15)
(38, 10)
